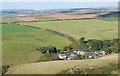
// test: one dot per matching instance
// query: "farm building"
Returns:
(80, 52)
(90, 55)
(96, 53)
(68, 56)
(71, 55)
(100, 52)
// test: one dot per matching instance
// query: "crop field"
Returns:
(88, 28)
(57, 66)
(19, 43)
(47, 19)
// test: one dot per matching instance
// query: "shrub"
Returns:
(78, 57)
(5, 69)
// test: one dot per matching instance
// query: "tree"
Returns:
(42, 49)
(96, 44)
(107, 43)
(81, 41)
(49, 49)
(84, 46)
(78, 57)
(65, 48)
(52, 49)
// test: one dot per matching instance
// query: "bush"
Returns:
(5, 69)
(50, 49)
(78, 57)
(51, 56)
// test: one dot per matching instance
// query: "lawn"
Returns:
(89, 28)
(19, 43)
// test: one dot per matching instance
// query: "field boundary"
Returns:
(72, 39)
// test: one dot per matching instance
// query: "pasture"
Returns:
(19, 43)
(88, 28)
(8, 20)
(57, 66)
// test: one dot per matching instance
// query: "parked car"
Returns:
(62, 56)
(92, 56)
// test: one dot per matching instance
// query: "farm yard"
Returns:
(88, 28)
(19, 43)
(57, 66)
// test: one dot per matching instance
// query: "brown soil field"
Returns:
(60, 17)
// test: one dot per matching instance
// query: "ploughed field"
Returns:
(88, 28)
(54, 67)
(19, 43)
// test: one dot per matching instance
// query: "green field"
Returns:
(47, 19)
(19, 43)
(8, 20)
(89, 28)
(110, 19)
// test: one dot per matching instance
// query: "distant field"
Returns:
(8, 20)
(54, 67)
(19, 43)
(110, 19)
(47, 19)
(89, 28)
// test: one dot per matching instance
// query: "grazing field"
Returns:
(8, 20)
(48, 19)
(110, 19)
(57, 66)
(19, 43)
(88, 28)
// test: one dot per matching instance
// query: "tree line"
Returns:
(90, 45)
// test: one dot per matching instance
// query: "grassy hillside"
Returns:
(19, 43)
(58, 66)
(91, 28)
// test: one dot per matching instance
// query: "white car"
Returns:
(62, 56)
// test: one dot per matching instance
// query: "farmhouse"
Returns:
(100, 52)
(72, 55)
(80, 52)
(96, 53)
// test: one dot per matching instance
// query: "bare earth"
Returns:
(54, 67)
